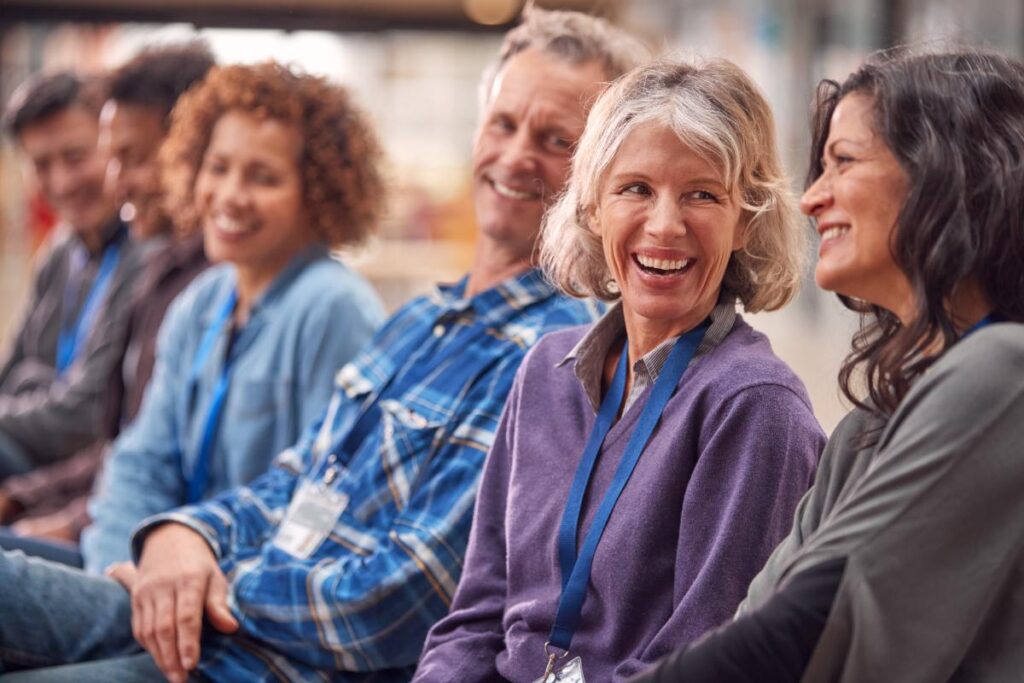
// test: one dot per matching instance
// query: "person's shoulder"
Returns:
(978, 369)
(328, 284)
(560, 311)
(206, 288)
(745, 359)
(993, 348)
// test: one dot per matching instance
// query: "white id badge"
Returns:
(310, 517)
(570, 673)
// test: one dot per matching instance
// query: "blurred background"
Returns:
(414, 66)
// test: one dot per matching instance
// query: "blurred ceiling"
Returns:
(337, 15)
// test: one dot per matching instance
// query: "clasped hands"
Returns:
(176, 582)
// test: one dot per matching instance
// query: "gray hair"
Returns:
(574, 37)
(716, 110)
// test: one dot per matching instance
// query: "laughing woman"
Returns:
(275, 169)
(645, 467)
(905, 562)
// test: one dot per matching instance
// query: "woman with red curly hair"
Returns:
(275, 169)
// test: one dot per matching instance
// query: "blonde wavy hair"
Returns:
(716, 110)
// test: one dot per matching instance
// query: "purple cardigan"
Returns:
(713, 494)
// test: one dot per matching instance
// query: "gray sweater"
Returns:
(713, 493)
(931, 523)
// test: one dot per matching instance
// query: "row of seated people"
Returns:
(444, 507)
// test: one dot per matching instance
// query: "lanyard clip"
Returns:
(553, 658)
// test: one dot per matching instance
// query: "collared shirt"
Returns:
(314, 317)
(591, 351)
(43, 419)
(359, 607)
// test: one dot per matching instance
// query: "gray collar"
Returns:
(591, 351)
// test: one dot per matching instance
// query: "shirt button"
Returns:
(331, 459)
(438, 330)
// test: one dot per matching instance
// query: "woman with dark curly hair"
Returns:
(275, 169)
(905, 559)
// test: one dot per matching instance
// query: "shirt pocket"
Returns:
(410, 434)
(259, 422)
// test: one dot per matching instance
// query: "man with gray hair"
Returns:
(336, 562)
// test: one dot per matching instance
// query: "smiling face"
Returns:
(856, 202)
(69, 168)
(131, 135)
(248, 193)
(534, 115)
(668, 226)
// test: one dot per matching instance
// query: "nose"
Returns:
(114, 179)
(817, 197)
(666, 218)
(62, 180)
(518, 153)
(230, 191)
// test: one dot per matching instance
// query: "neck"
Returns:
(968, 305)
(249, 286)
(493, 264)
(93, 239)
(645, 334)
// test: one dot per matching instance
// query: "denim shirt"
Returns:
(313, 319)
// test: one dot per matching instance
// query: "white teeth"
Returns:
(662, 264)
(506, 191)
(833, 233)
(225, 224)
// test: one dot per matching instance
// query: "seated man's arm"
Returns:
(464, 645)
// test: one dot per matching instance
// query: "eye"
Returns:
(704, 196)
(559, 143)
(641, 189)
(503, 123)
(262, 176)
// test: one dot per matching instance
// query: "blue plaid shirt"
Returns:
(432, 384)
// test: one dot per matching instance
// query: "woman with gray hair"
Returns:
(644, 467)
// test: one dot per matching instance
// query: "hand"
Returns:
(124, 573)
(178, 579)
(56, 526)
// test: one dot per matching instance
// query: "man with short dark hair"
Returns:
(53, 377)
(336, 562)
(50, 502)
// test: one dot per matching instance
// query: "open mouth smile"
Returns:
(662, 267)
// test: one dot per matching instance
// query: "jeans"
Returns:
(54, 551)
(52, 616)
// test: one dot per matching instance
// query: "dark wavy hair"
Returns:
(158, 75)
(955, 123)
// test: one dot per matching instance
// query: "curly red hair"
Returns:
(343, 188)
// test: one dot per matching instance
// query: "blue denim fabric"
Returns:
(54, 551)
(312, 320)
(53, 615)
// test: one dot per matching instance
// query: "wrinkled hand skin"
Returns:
(177, 581)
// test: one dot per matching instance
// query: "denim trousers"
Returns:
(59, 624)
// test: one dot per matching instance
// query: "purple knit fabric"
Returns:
(713, 494)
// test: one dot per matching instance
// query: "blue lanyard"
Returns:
(196, 479)
(72, 337)
(576, 569)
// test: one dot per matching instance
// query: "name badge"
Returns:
(570, 673)
(311, 516)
